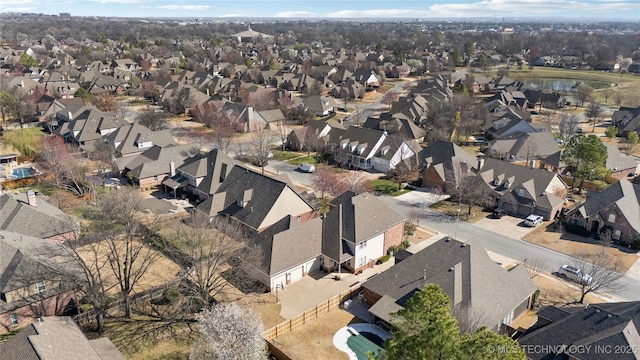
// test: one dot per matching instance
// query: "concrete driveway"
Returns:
(508, 225)
(311, 290)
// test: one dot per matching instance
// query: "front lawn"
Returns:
(450, 207)
(387, 187)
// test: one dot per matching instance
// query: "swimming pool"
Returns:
(359, 339)
(19, 173)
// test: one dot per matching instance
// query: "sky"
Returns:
(338, 9)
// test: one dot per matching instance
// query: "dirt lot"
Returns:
(314, 340)
(420, 235)
(577, 246)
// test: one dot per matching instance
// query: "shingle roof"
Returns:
(57, 338)
(250, 197)
(156, 160)
(208, 167)
(612, 324)
(623, 193)
(129, 137)
(484, 285)
(43, 220)
(289, 242)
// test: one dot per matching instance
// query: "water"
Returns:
(564, 85)
(20, 173)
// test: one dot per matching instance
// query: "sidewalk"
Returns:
(634, 270)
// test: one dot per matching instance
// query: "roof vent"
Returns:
(597, 310)
(451, 269)
(609, 315)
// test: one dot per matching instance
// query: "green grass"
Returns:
(85, 212)
(387, 187)
(304, 159)
(286, 155)
(567, 74)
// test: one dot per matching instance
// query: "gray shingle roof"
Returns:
(485, 286)
(56, 338)
(42, 221)
(156, 160)
(288, 243)
(129, 137)
(622, 193)
(612, 324)
(208, 167)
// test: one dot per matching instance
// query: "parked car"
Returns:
(560, 141)
(579, 130)
(533, 220)
(574, 274)
(498, 213)
(306, 167)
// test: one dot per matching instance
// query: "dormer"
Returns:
(246, 197)
(361, 148)
(352, 146)
(343, 143)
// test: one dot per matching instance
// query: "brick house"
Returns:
(616, 207)
(29, 285)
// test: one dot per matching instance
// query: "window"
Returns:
(223, 172)
(40, 286)
(14, 319)
(520, 192)
(616, 234)
(155, 178)
(612, 218)
(362, 261)
(362, 245)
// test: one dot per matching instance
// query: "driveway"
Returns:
(507, 225)
(311, 290)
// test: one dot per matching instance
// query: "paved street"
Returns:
(507, 244)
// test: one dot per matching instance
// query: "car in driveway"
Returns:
(498, 213)
(533, 220)
(574, 274)
(306, 167)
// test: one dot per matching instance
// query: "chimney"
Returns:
(480, 162)
(250, 118)
(172, 168)
(31, 198)
(69, 115)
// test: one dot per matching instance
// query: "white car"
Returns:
(306, 167)
(533, 220)
(574, 274)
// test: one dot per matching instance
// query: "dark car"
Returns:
(498, 213)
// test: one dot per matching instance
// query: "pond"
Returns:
(562, 85)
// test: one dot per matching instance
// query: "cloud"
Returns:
(238, 15)
(119, 1)
(486, 8)
(296, 14)
(185, 7)
(16, 2)
(19, 9)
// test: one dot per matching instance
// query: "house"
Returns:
(475, 284)
(53, 338)
(627, 119)
(367, 78)
(522, 191)
(591, 332)
(320, 105)
(251, 36)
(617, 207)
(356, 147)
(30, 214)
(87, 126)
(506, 124)
(395, 150)
(445, 163)
(620, 164)
(404, 127)
(524, 148)
(31, 284)
(255, 200)
(153, 165)
(133, 139)
(201, 174)
(289, 250)
(357, 231)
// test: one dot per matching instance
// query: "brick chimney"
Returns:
(31, 198)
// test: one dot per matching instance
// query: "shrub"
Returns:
(383, 259)
(409, 228)
(170, 296)
(576, 229)
(636, 243)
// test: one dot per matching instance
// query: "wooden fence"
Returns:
(149, 294)
(302, 318)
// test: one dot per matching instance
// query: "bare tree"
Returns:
(582, 93)
(103, 156)
(149, 118)
(594, 111)
(105, 102)
(468, 188)
(283, 131)
(229, 331)
(568, 125)
(128, 256)
(603, 269)
(469, 319)
(534, 267)
(326, 180)
(69, 173)
(210, 245)
(123, 109)
(389, 97)
(261, 140)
